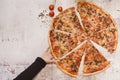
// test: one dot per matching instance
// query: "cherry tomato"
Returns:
(51, 7)
(51, 13)
(60, 8)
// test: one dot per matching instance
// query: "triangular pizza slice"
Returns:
(62, 43)
(106, 38)
(71, 63)
(94, 61)
(95, 15)
(67, 21)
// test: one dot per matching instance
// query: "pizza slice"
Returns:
(62, 43)
(95, 16)
(67, 21)
(71, 63)
(94, 61)
(106, 38)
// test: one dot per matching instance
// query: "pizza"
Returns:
(74, 26)
(71, 63)
(94, 61)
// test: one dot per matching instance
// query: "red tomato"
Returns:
(60, 8)
(51, 7)
(51, 13)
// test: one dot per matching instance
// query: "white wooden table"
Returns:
(23, 37)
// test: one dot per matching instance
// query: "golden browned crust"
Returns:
(66, 11)
(73, 75)
(106, 67)
(116, 41)
(51, 46)
(114, 47)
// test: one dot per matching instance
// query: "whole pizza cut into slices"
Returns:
(70, 28)
(94, 61)
(62, 43)
(71, 63)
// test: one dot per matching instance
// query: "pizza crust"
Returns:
(88, 74)
(51, 46)
(66, 10)
(116, 41)
(65, 70)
